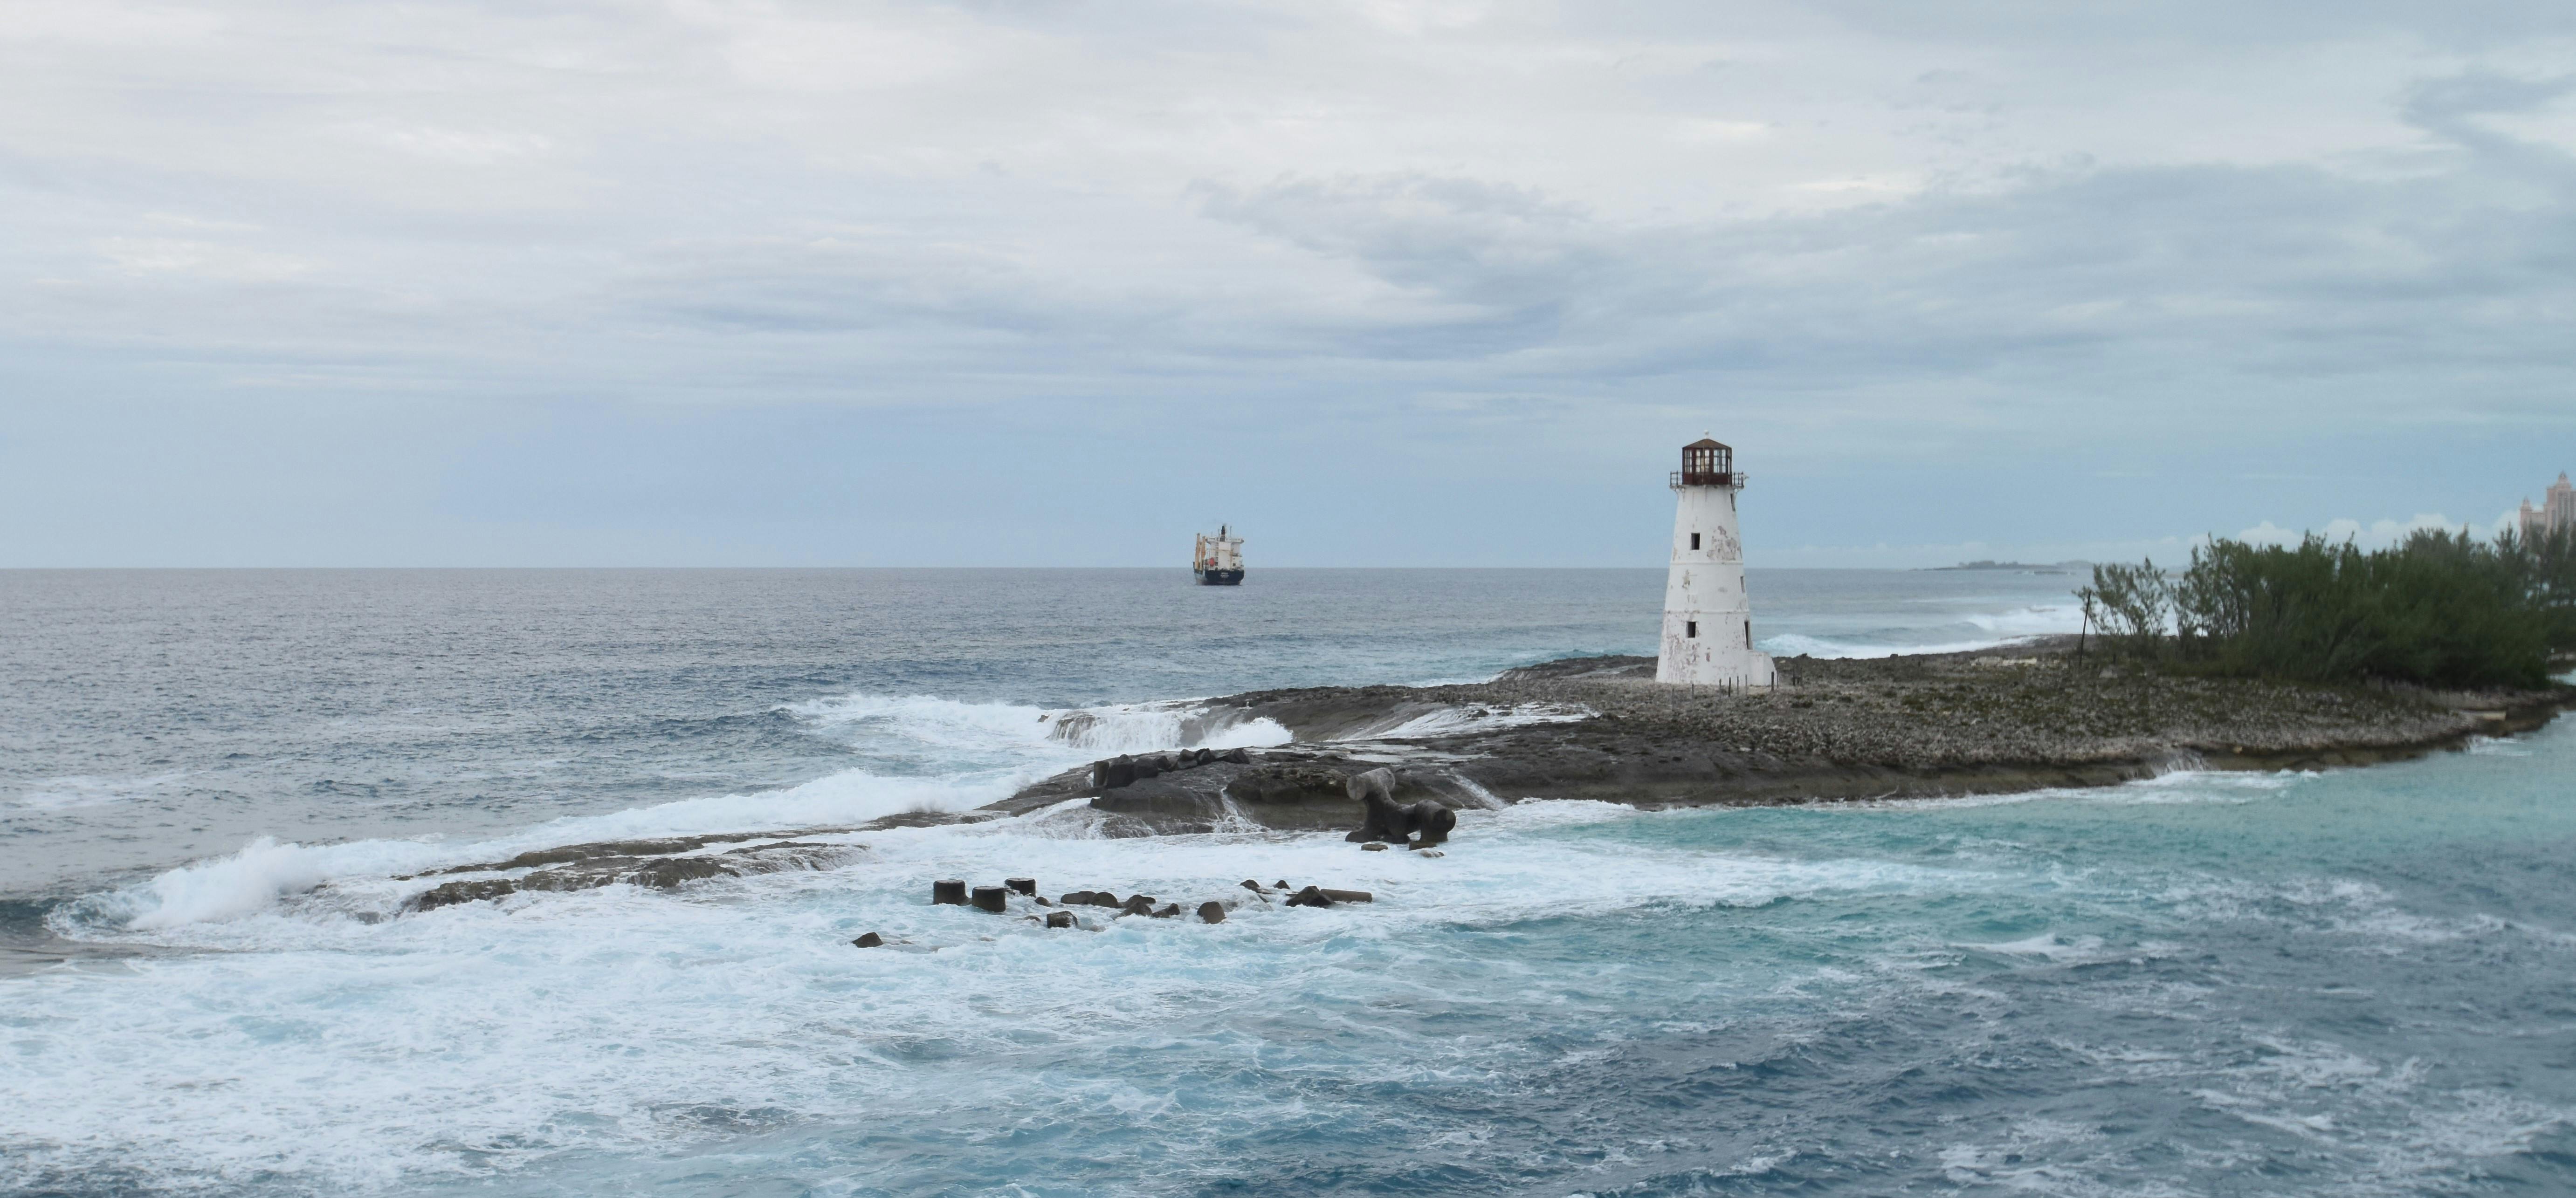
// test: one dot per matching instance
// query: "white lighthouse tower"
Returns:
(1708, 620)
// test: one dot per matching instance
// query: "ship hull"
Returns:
(1219, 578)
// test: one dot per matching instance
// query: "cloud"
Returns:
(201, 259)
(2101, 274)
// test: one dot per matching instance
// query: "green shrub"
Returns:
(2440, 608)
(2130, 605)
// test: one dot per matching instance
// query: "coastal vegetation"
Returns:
(2439, 609)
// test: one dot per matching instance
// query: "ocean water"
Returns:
(2356, 982)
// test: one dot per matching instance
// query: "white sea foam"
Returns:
(995, 749)
(1450, 721)
(267, 870)
(1997, 629)
(469, 1042)
(939, 724)
(58, 794)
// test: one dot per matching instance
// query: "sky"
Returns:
(1060, 283)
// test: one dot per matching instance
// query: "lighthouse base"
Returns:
(1719, 664)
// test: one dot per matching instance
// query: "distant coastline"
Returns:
(2022, 567)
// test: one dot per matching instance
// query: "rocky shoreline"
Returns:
(2024, 717)
(2020, 718)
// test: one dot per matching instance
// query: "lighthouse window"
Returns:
(1748, 634)
(1690, 628)
(1694, 540)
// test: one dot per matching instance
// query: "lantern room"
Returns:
(1706, 462)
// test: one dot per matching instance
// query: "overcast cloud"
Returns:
(1382, 283)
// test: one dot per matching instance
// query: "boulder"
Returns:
(668, 872)
(1059, 919)
(1431, 822)
(1235, 757)
(1028, 886)
(995, 899)
(1138, 904)
(1167, 910)
(1319, 896)
(1211, 911)
(869, 940)
(948, 890)
(448, 894)
(1385, 820)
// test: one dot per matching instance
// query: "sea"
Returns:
(215, 788)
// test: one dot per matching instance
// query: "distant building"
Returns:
(1708, 619)
(2556, 513)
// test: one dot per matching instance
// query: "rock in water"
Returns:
(1385, 820)
(1374, 846)
(948, 890)
(1167, 910)
(869, 940)
(1374, 791)
(1027, 886)
(992, 898)
(1433, 821)
(1138, 904)
(1319, 896)
(1211, 911)
(1059, 919)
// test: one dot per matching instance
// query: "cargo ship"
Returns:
(1219, 561)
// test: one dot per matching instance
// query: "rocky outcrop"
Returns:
(573, 869)
(2021, 718)
(1125, 770)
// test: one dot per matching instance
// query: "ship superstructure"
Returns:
(1218, 561)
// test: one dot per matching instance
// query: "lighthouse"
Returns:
(1708, 620)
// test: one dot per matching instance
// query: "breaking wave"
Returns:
(1968, 633)
(965, 755)
(946, 724)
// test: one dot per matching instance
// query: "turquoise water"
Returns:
(2355, 982)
